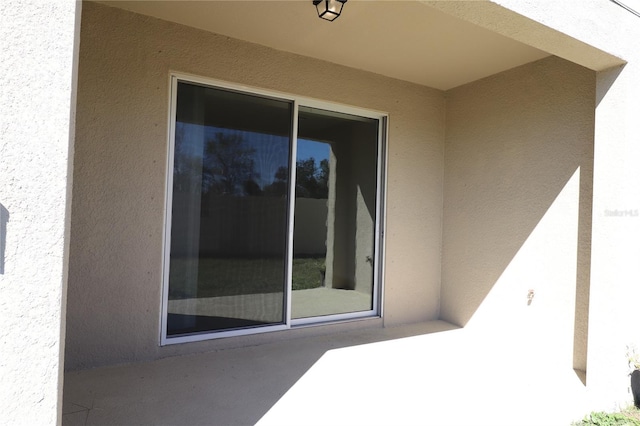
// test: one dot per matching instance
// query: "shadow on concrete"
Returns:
(226, 387)
(403, 375)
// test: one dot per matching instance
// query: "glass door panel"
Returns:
(227, 262)
(335, 214)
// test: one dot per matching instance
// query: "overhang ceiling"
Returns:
(407, 40)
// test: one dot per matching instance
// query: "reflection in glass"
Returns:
(335, 214)
(229, 211)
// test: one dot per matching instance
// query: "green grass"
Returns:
(234, 276)
(629, 417)
(308, 272)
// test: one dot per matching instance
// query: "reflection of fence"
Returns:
(310, 234)
(250, 226)
(4, 218)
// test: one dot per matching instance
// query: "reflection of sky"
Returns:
(271, 151)
(312, 149)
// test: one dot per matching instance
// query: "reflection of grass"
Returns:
(233, 276)
(308, 272)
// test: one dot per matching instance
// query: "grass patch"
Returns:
(308, 272)
(628, 417)
(235, 276)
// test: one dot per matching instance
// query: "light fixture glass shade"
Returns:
(329, 9)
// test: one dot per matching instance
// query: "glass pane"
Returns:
(229, 211)
(335, 214)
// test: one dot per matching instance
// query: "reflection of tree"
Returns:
(312, 181)
(279, 185)
(225, 165)
(187, 169)
(228, 166)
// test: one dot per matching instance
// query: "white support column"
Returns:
(38, 40)
(615, 269)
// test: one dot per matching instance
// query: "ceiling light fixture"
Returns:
(329, 9)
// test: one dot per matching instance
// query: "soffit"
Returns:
(407, 40)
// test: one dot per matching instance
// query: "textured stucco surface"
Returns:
(613, 289)
(115, 298)
(518, 170)
(36, 70)
(119, 190)
(615, 248)
(537, 25)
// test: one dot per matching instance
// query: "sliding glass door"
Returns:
(335, 214)
(229, 211)
(267, 226)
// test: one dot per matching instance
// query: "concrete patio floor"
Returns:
(427, 373)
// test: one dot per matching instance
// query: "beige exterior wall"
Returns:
(603, 37)
(517, 210)
(119, 192)
(36, 134)
(614, 289)
(610, 292)
(517, 194)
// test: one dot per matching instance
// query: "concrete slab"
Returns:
(427, 373)
(226, 387)
(453, 378)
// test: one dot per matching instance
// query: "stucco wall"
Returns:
(119, 192)
(36, 94)
(603, 37)
(614, 289)
(517, 210)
